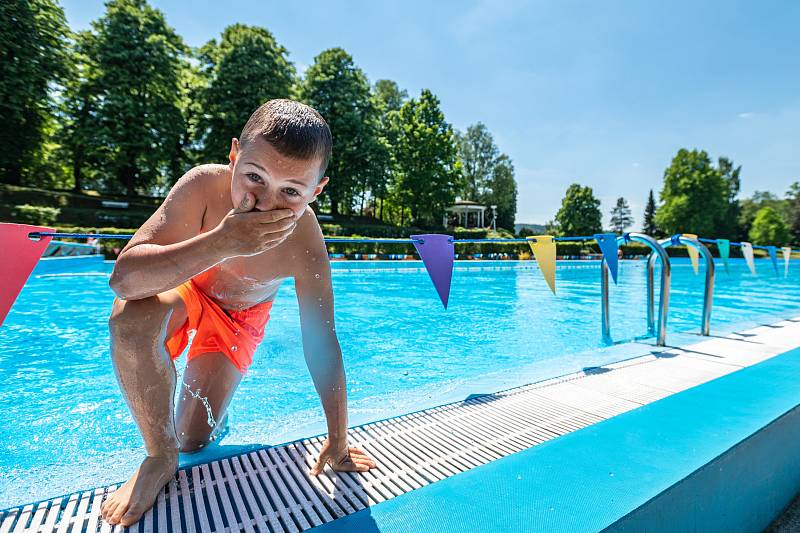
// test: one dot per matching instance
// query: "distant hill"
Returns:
(536, 228)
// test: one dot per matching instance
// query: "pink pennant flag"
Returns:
(437, 254)
(20, 255)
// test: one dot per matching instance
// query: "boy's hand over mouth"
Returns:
(247, 232)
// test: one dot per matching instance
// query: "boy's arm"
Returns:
(168, 248)
(321, 345)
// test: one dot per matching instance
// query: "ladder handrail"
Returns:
(708, 292)
(666, 275)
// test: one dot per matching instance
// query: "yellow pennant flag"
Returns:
(694, 255)
(544, 251)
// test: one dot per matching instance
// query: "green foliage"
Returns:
(245, 69)
(769, 228)
(33, 48)
(730, 225)
(133, 63)
(749, 208)
(695, 197)
(388, 96)
(478, 153)
(339, 90)
(621, 218)
(502, 192)
(793, 209)
(579, 213)
(487, 175)
(425, 153)
(649, 227)
(35, 214)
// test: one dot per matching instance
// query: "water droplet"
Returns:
(234, 348)
(316, 276)
(236, 332)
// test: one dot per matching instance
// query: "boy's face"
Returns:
(276, 181)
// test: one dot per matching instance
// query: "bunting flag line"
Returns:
(747, 252)
(787, 255)
(724, 247)
(773, 255)
(609, 248)
(694, 255)
(437, 254)
(19, 260)
(544, 251)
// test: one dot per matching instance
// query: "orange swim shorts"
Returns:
(237, 334)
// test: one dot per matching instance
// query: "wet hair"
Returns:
(295, 130)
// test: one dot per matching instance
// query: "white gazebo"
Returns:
(464, 208)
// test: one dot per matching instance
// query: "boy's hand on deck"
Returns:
(244, 231)
(347, 459)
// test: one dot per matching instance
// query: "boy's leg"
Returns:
(209, 381)
(146, 375)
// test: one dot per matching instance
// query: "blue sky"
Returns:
(599, 93)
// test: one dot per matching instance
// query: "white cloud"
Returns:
(747, 115)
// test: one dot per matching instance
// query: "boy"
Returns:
(211, 259)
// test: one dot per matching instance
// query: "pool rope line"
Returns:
(268, 489)
(437, 252)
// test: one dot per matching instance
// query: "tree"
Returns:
(428, 169)
(580, 212)
(649, 227)
(749, 208)
(339, 90)
(730, 227)
(793, 201)
(621, 218)
(133, 78)
(34, 52)
(389, 96)
(478, 153)
(243, 70)
(695, 196)
(79, 125)
(769, 228)
(502, 192)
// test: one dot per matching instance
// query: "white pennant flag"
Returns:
(747, 252)
(787, 254)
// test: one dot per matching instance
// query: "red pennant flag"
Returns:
(18, 260)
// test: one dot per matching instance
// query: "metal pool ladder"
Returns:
(666, 274)
(708, 292)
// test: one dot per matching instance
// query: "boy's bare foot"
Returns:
(129, 502)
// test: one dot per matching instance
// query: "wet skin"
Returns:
(238, 230)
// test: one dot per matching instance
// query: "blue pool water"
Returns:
(65, 427)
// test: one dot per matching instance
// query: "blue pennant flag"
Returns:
(608, 245)
(773, 255)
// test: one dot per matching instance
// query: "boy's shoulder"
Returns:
(205, 177)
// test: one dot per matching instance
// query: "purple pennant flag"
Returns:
(437, 254)
(608, 245)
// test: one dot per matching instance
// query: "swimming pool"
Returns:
(65, 427)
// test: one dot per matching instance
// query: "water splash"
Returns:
(196, 395)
